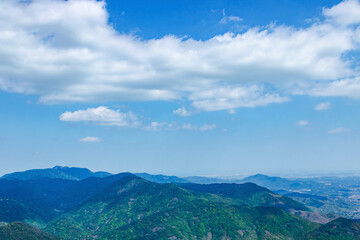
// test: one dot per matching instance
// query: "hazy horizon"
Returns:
(229, 177)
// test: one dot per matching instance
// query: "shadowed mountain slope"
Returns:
(22, 231)
(338, 229)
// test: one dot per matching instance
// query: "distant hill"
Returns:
(161, 178)
(339, 229)
(69, 173)
(206, 180)
(133, 208)
(22, 231)
(273, 183)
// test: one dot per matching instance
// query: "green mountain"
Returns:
(133, 208)
(22, 231)
(69, 173)
(338, 229)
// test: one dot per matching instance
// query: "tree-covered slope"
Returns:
(22, 231)
(249, 194)
(69, 173)
(134, 208)
(338, 229)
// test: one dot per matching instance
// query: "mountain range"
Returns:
(145, 206)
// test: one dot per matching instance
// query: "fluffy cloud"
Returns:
(67, 51)
(103, 116)
(323, 106)
(346, 13)
(339, 130)
(90, 139)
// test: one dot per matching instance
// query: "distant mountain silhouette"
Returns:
(69, 173)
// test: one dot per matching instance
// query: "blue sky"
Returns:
(181, 87)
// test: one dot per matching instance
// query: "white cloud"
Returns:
(103, 116)
(345, 13)
(323, 106)
(90, 139)
(183, 112)
(349, 87)
(67, 51)
(303, 123)
(339, 130)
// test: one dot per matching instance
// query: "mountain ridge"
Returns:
(69, 173)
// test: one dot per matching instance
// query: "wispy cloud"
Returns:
(323, 106)
(226, 19)
(183, 112)
(90, 139)
(157, 126)
(204, 127)
(207, 127)
(102, 116)
(339, 130)
(303, 123)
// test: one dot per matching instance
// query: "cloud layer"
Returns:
(67, 51)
